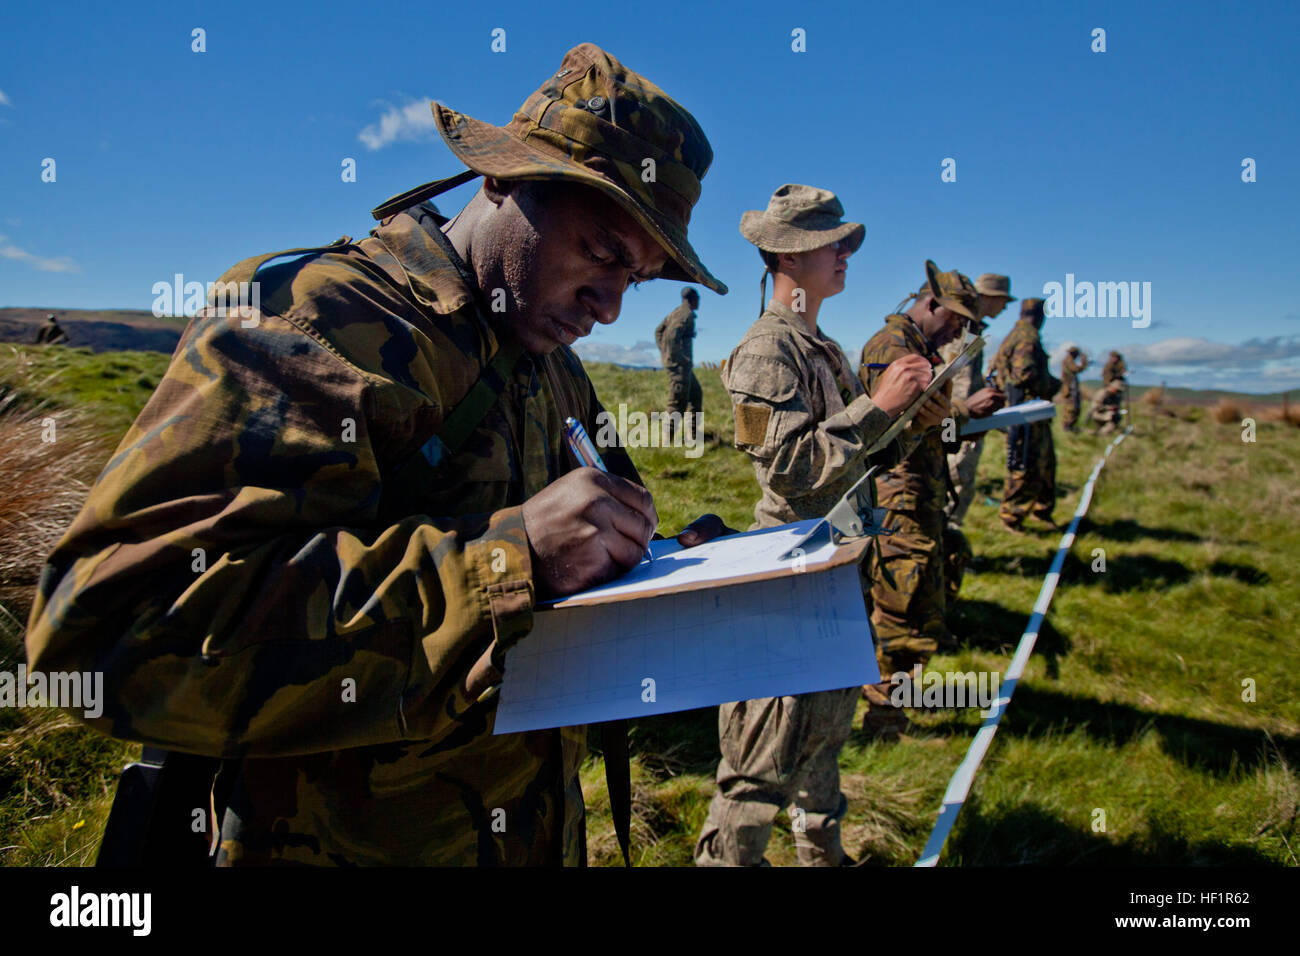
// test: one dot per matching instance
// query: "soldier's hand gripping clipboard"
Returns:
(941, 378)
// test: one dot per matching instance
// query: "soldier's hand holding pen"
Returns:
(900, 383)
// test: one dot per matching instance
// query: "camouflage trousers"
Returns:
(1070, 409)
(961, 468)
(1031, 473)
(684, 396)
(908, 615)
(1107, 416)
(779, 752)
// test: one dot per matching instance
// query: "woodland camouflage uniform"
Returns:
(1021, 364)
(909, 613)
(806, 423)
(675, 336)
(283, 565)
(1073, 364)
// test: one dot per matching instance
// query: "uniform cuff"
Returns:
(501, 563)
(870, 420)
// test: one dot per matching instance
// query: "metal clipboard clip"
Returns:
(853, 516)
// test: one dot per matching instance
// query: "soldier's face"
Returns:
(948, 325)
(822, 272)
(565, 254)
(991, 306)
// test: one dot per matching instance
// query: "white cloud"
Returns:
(413, 121)
(1182, 350)
(4, 100)
(62, 264)
(643, 354)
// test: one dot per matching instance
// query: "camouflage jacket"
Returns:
(1070, 370)
(801, 416)
(1113, 369)
(968, 379)
(256, 583)
(1022, 362)
(919, 481)
(674, 337)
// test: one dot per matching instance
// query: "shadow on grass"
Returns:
(992, 627)
(672, 744)
(1030, 836)
(1199, 744)
(1126, 529)
(1126, 572)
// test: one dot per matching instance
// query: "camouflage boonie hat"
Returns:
(598, 123)
(800, 219)
(990, 283)
(952, 289)
(1032, 308)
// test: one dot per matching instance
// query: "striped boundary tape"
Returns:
(954, 797)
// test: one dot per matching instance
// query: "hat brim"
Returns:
(999, 295)
(772, 236)
(491, 151)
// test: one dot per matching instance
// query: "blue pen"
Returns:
(581, 445)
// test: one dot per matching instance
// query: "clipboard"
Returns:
(941, 377)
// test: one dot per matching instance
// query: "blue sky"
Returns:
(1115, 166)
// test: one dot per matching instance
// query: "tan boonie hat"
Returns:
(952, 289)
(598, 123)
(800, 219)
(990, 283)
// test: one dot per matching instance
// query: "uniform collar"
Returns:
(778, 310)
(437, 276)
(912, 332)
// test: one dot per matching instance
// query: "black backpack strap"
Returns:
(618, 777)
(419, 194)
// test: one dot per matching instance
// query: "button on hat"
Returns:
(800, 219)
(598, 123)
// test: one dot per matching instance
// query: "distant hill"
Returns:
(101, 330)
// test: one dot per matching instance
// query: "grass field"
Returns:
(1132, 705)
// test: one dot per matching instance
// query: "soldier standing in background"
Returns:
(1113, 369)
(806, 423)
(675, 337)
(1072, 366)
(908, 592)
(995, 294)
(51, 333)
(1021, 364)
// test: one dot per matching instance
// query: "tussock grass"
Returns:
(1227, 411)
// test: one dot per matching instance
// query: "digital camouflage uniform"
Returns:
(805, 422)
(675, 337)
(283, 565)
(1070, 369)
(909, 614)
(1021, 364)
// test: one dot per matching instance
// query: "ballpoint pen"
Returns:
(583, 449)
